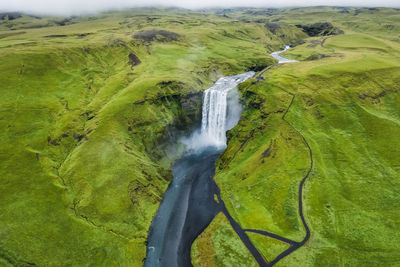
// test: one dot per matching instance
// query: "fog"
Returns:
(77, 7)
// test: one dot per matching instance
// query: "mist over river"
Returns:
(189, 204)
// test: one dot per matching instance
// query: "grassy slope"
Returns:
(84, 159)
(347, 108)
(86, 195)
(219, 245)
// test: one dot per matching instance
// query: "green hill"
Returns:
(336, 112)
(91, 107)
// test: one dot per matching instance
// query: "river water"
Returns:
(189, 204)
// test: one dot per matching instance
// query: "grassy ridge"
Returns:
(87, 112)
(346, 105)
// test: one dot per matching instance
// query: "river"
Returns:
(189, 204)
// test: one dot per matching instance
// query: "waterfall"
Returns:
(214, 115)
(189, 205)
(214, 121)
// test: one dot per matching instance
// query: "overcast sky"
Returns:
(69, 7)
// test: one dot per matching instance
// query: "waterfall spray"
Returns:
(214, 123)
(188, 204)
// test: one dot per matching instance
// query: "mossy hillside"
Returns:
(85, 152)
(344, 200)
(218, 241)
(380, 22)
(264, 155)
(347, 108)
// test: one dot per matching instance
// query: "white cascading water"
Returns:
(214, 123)
(214, 115)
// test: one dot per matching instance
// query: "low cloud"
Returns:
(76, 7)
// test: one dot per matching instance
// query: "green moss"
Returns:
(85, 151)
(88, 139)
(219, 245)
(346, 107)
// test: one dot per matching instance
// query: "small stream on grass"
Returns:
(277, 56)
(192, 199)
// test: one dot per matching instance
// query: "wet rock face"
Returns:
(133, 60)
(320, 29)
(157, 35)
(185, 108)
(191, 106)
(189, 113)
(272, 27)
(258, 67)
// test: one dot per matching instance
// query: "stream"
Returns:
(277, 56)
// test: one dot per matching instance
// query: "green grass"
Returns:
(244, 165)
(268, 247)
(87, 139)
(219, 245)
(380, 22)
(347, 108)
(87, 143)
